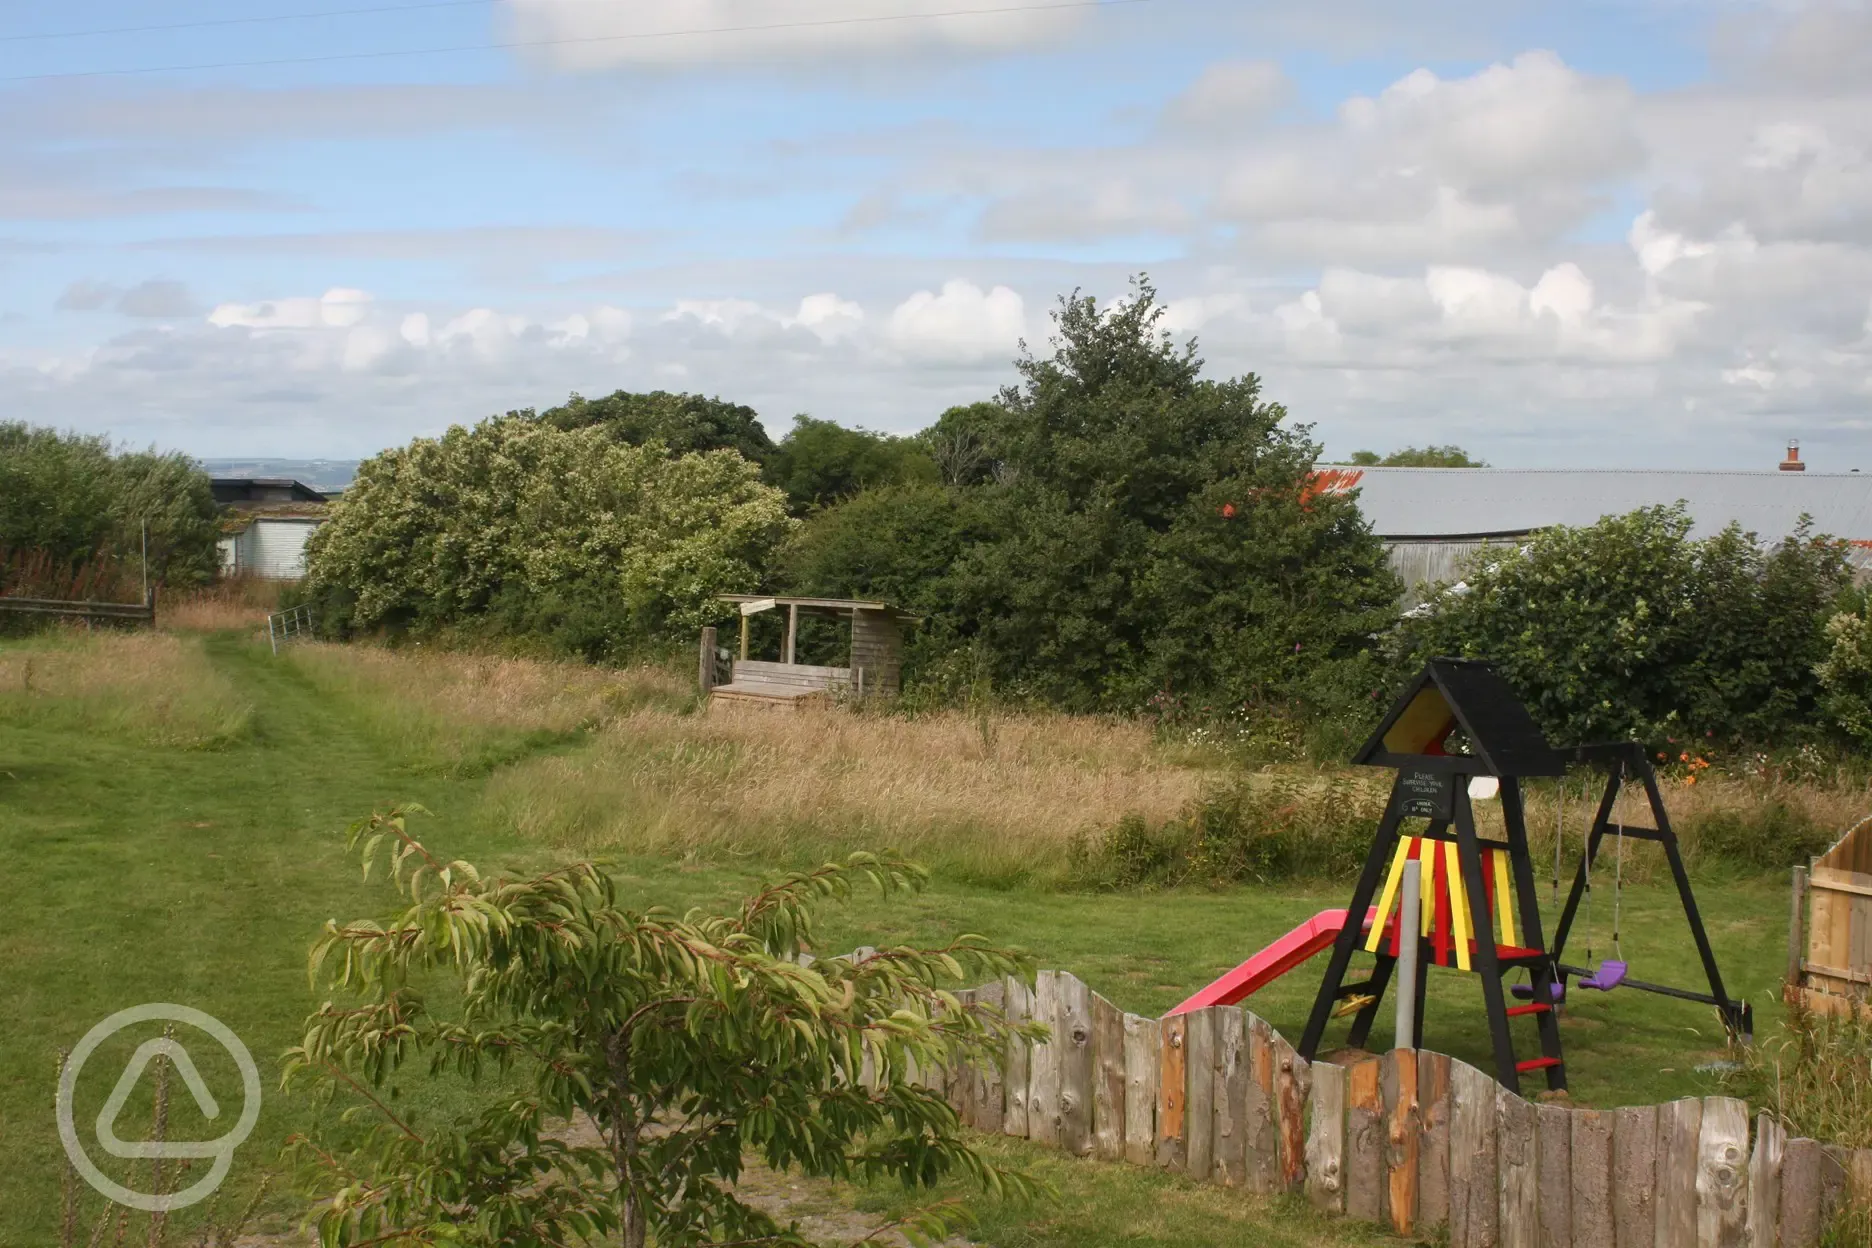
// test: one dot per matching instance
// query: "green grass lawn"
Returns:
(139, 873)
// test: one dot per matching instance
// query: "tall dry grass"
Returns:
(465, 713)
(148, 686)
(238, 602)
(995, 797)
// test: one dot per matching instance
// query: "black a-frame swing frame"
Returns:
(1627, 762)
(1454, 698)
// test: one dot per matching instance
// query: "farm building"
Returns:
(873, 653)
(266, 523)
(1432, 519)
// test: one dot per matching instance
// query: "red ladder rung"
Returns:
(1536, 1063)
(1517, 1011)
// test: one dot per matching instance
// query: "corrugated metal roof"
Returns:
(1474, 502)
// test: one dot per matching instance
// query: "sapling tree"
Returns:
(685, 1042)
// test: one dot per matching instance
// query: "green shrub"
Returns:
(516, 527)
(1260, 828)
(1627, 629)
(1770, 835)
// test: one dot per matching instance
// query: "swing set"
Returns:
(1459, 735)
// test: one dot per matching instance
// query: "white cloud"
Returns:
(1231, 94)
(337, 307)
(962, 323)
(581, 35)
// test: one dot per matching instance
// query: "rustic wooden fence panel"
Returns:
(1108, 1080)
(1231, 1097)
(1073, 1039)
(1326, 1143)
(1415, 1141)
(1141, 1046)
(1364, 1150)
(1403, 1138)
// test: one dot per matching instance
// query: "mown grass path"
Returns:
(138, 874)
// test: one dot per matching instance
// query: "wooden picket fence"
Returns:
(1417, 1141)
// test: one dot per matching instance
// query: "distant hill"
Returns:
(320, 474)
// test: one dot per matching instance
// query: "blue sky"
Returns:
(1592, 234)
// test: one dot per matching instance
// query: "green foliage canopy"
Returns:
(74, 498)
(686, 1041)
(821, 462)
(1627, 628)
(1157, 530)
(682, 423)
(517, 526)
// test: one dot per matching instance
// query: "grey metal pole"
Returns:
(1410, 911)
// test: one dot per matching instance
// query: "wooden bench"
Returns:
(781, 684)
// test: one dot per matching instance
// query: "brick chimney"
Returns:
(1793, 461)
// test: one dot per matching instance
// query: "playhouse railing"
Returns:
(1412, 1140)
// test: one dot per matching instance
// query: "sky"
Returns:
(1582, 234)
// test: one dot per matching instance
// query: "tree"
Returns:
(965, 443)
(72, 499)
(1628, 628)
(682, 423)
(686, 1042)
(1158, 529)
(1418, 457)
(518, 527)
(820, 462)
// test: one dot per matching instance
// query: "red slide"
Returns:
(1276, 960)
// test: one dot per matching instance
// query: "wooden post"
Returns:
(1261, 1111)
(1043, 1067)
(1403, 1137)
(1591, 1148)
(1199, 1103)
(1364, 1153)
(1231, 1097)
(1518, 1169)
(1141, 1041)
(1634, 1163)
(1797, 923)
(989, 1108)
(744, 636)
(792, 631)
(1433, 1156)
(1073, 1036)
(1326, 1141)
(1764, 1199)
(1680, 1124)
(1171, 1065)
(1722, 1174)
(1554, 1127)
(1800, 1223)
(1108, 1080)
(1293, 1080)
(1019, 1007)
(705, 666)
(1474, 1206)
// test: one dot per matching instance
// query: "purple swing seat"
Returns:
(1610, 975)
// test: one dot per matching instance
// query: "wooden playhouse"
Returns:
(873, 654)
(1831, 967)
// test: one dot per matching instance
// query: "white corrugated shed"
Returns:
(1454, 503)
(270, 547)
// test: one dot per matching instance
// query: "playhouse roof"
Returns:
(833, 605)
(1467, 694)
